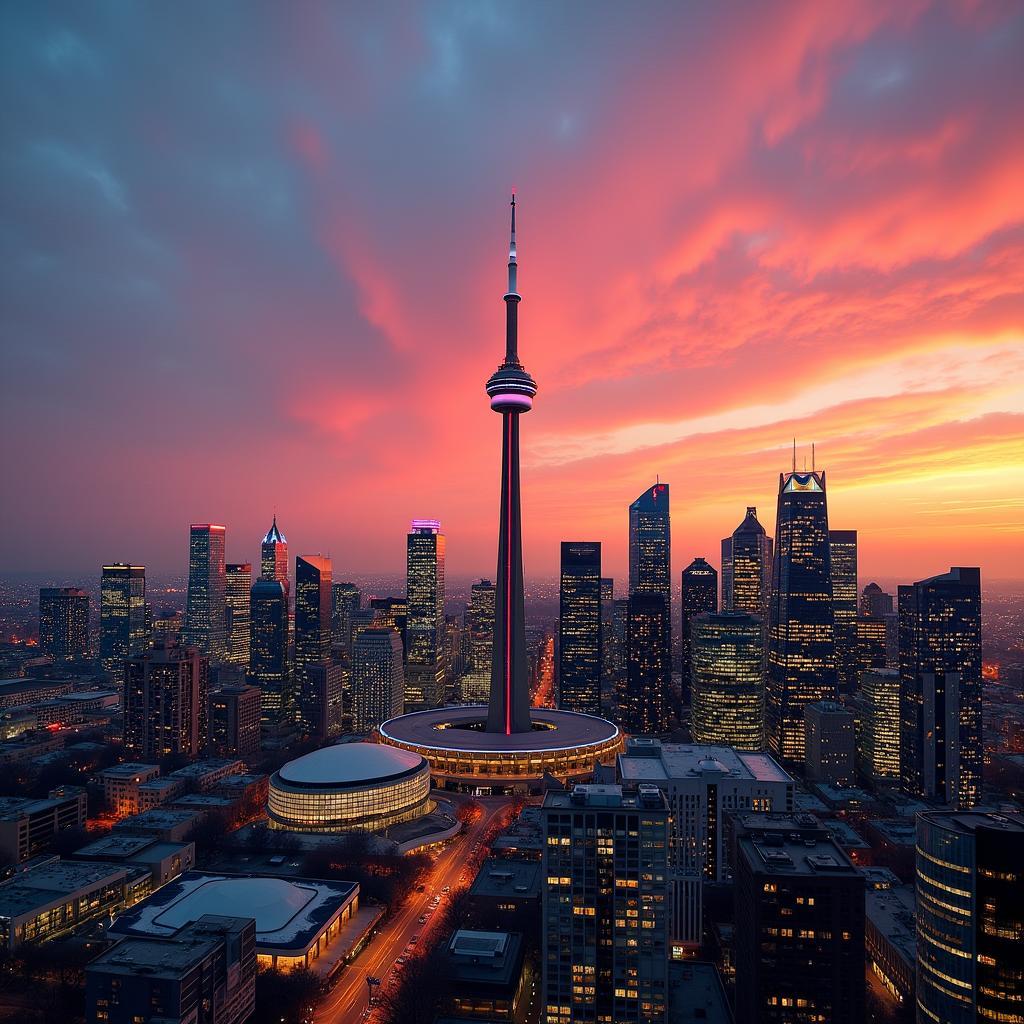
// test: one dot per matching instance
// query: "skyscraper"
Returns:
(878, 745)
(238, 584)
(642, 704)
(608, 654)
(312, 629)
(345, 599)
(63, 622)
(511, 390)
(206, 609)
(747, 568)
(801, 642)
(604, 940)
(268, 657)
(970, 917)
(699, 595)
(322, 698)
(274, 556)
(843, 556)
(579, 628)
(650, 544)
(475, 685)
(425, 633)
(165, 701)
(727, 696)
(874, 601)
(234, 721)
(378, 685)
(831, 745)
(123, 632)
(940, 687)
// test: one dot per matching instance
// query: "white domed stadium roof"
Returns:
(347, 764)
(273, 902)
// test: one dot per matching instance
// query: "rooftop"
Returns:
(14, 807)
(507, 876)
(967, 822)
(696, 994)
(646, 797)
(891, 912)
(54, 881)
(790, 844)
(650, 760)
(127, 770)
(198, 769)
(289, 913)
(351, 764)
(115, 845)
(158, 819)
(485, 958)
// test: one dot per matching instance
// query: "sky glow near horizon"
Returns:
(254, 260)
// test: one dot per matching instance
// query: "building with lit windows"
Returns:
(349, 787)
(121, 782)
(843, 558)
(211, 963)
(268, 655)
(323, 699)
(28, 827)
(165, 701)
(940, 687)
(238, 588)
(830, 743)
(609, 657)
(234, 721)
(970, 917)
(297, 919)
(377, 690)
(345, 598)
(801, 640)
(650, 544)
(63, 623)
(698, 595)
(425, 665)
(579, 628)
(475, 684)
(506, 746)
(799, 934)
(727, 697)
(747, 568)
(274, 556)
(312, 631)
(878, 743)
(643, 699)
(123, 626)
(604, 936)
(206, 607)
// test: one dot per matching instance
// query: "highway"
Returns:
(347, 1002)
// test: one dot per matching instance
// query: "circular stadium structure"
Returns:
(349, 787)
(463, 756)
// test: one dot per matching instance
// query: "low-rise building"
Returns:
(27, 827)
(121, 784)
(890, 940)
(205, 971)
(173, 825)
(58, 895)
(505, 896)
(158, 792)
(484, 971)
(165, 861)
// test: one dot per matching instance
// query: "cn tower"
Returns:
(511, 390)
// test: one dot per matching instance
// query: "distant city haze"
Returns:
(241, 280)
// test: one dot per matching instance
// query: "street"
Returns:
(347, 1001)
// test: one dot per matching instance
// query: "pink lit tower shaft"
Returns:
(511, 390)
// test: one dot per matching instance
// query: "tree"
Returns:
(288, 996)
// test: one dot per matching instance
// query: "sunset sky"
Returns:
(253, 258)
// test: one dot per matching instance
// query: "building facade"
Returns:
(843, 558)
(579, 628)
(234, 721)
(747, 568)
(604, 940)
(274, 556)
(643, 702)
(878, 745)
(801, 642)
(313, 575)
(699, 595)
(268, 656)
(940, 687)
(727, 696)
(64, 623)
(123, 626)
(238, 588)
(378, 683)
(831, 744)
(206, 607)
(425, 633)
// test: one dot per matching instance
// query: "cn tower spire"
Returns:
(511, 390)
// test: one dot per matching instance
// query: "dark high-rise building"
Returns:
(801, 641)
(312, 629)
(650, 544)
(481, 626)
(831, 743)
(391, 613)
(165, 701)
(604, 940)
(874, 601)
(843, 556)
(511, 391)
(268, 658)
(425, 634)
(747, 568)
(608, 654)
(123, 630)
(940, 687)
(727, 695)
(64, 623)
(799, 944)
(579, 628)
(345, 599)
(378, 684)
(238, 584)
(206, 609)
(643, 703)
(970, 917)
(234, 721)
(322, 700)
(274, 556)
(699, 595)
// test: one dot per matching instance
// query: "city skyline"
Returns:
(698, 305)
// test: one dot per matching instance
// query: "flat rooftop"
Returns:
(651, 761)
(484, 958)
(127, 770)
(198, 769)
(695, 993)
(54, 881)
(289, 913)
(506, 876)
(158, 819)
(605, 796)
(114, 845)
(791, 844)
(14, 807)
(891, 912)
(968, 821)
(898, 831)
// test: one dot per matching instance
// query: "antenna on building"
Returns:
(794, 454)
(813, 467)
